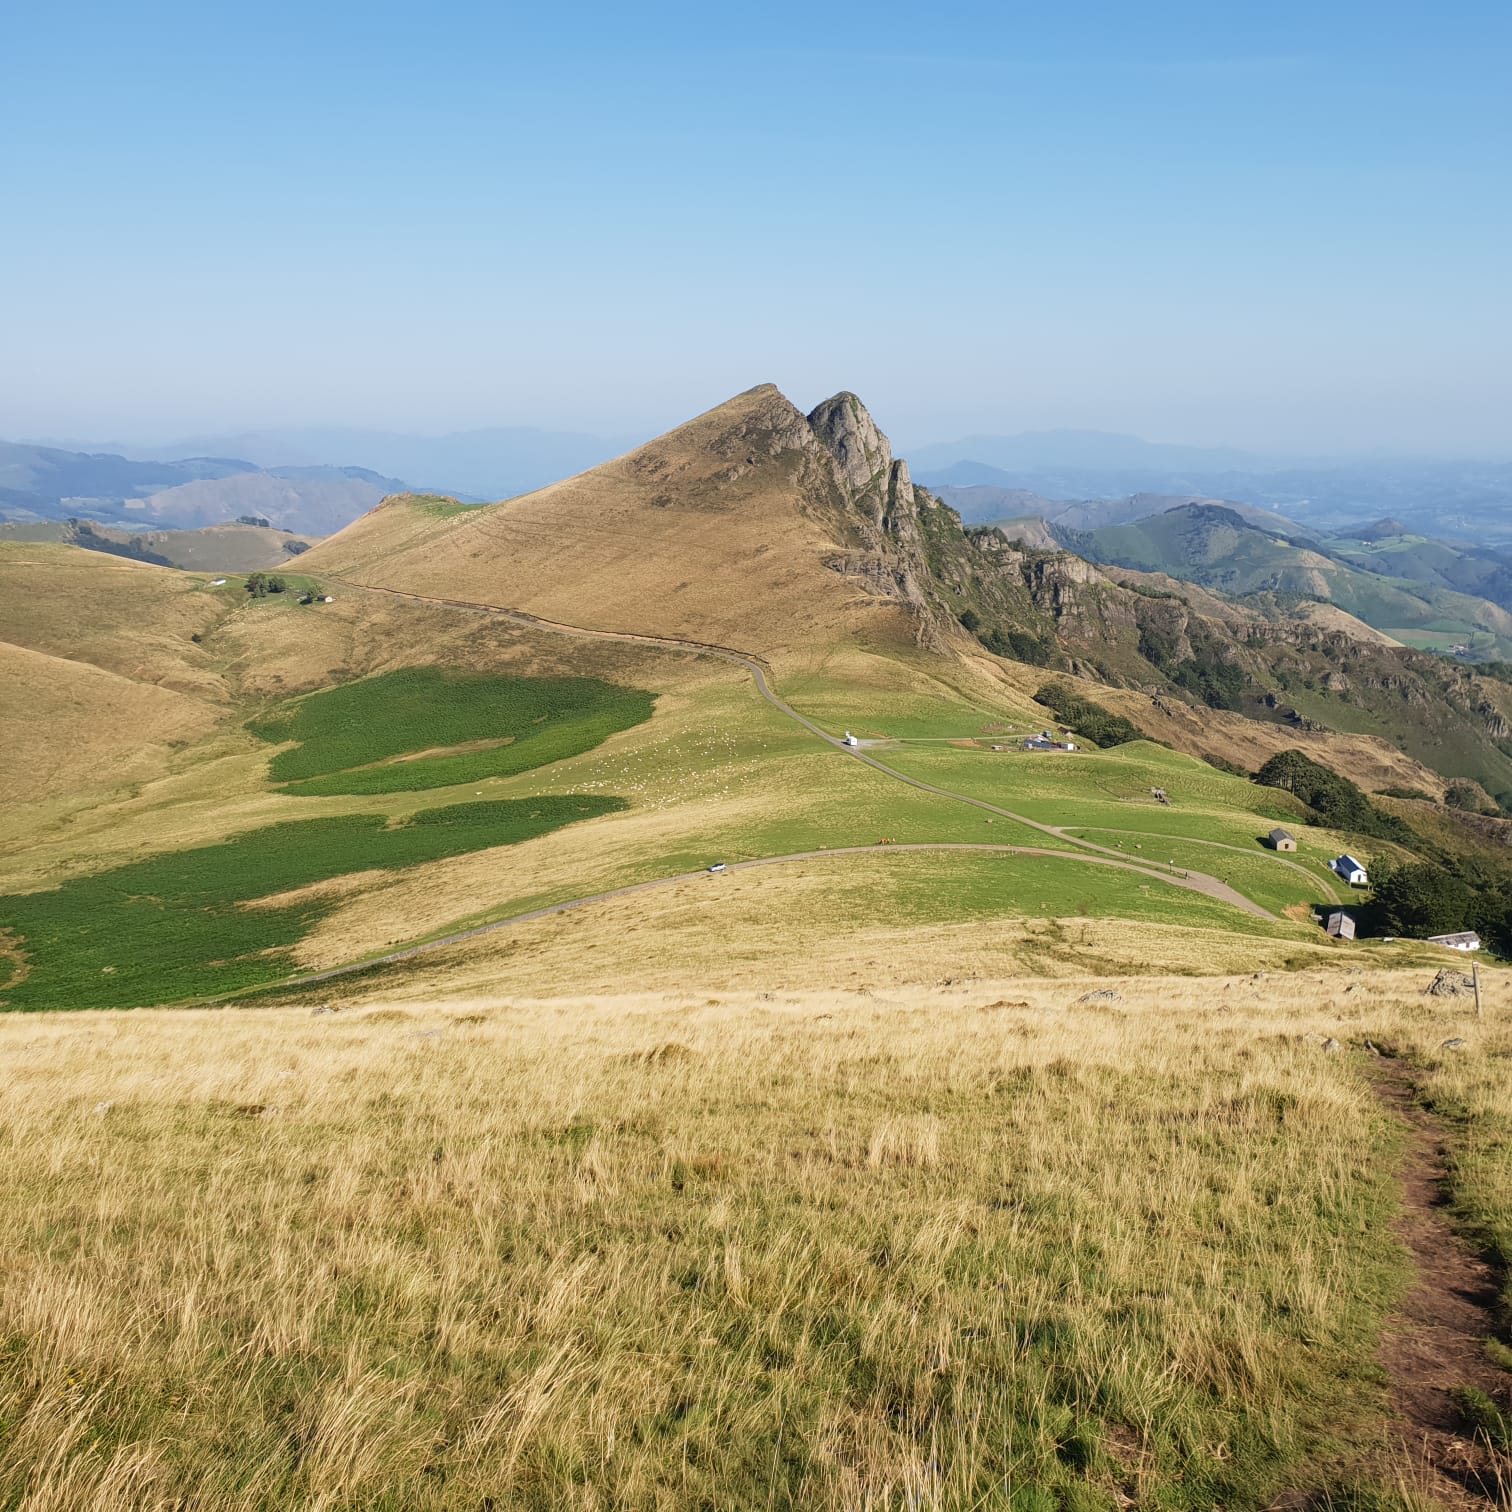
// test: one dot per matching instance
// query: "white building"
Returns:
(1352, 871)
(850, 739)
(1465, 940)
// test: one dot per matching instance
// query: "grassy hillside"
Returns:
(1397, 552)
(375, 709)
(717, 531)
(985, 1245)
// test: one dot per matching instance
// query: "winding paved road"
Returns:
(759, 669)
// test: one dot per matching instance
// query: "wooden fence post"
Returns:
(1475, 977)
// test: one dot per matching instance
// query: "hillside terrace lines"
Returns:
(760, 669)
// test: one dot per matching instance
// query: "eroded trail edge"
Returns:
(1434, 1346)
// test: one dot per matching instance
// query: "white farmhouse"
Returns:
(1352, 871)
(1465, 940)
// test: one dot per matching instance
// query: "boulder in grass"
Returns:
(1450, 983)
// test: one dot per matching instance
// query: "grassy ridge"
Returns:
(365, 725)
(176, 925)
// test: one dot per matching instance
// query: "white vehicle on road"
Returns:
(718, 866)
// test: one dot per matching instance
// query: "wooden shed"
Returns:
(1283, 840)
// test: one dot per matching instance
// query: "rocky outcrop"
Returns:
(846, 429)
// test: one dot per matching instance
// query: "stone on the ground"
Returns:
(1450, 983)
(1102, 995)
(1330, 1044)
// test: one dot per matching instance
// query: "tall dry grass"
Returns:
(966, 1247)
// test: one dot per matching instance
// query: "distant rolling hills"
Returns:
(234, 547)
(1216, 546)
(39, 483)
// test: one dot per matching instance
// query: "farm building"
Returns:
(1352, 871)
(1283, 840)
(1045, 741)
(1465, 940)
(1341, 925)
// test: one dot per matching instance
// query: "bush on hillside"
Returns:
(1088, 719)
(1335, 800)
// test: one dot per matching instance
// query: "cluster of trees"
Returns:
(261, 584)
(1095, 723)
(1441, 897)
(1334, 800)
(1016, 645)
(1218, 683)
(252, 520)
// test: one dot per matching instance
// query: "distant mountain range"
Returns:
(1430, 594)
(1460, 499)
(40, 483)
(494, 463)
(237, 547)
(982, 504)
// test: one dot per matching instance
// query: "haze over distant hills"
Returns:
(1465, 498)
(491, 463)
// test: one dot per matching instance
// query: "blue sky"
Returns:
(1284, 226)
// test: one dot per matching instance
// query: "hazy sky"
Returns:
(1285, 225)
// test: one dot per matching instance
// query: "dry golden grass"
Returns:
(697, 534)
(67, 726)
(979, 1246)
(130, 618)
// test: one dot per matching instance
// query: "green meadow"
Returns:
(429, 727)
(177, 925)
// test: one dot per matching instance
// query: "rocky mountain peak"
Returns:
(846, 428)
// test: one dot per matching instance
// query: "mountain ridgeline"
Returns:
(785, 534)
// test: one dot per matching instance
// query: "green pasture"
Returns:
(1089, 787)
(177, 926)
(355, 738)
(950, 887)
(931, 708)
(1259, 874)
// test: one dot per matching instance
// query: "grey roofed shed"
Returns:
(1283, 840)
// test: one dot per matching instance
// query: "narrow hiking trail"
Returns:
(759, 670)
(1434, 1345)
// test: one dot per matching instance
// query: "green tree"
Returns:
(1421, 899)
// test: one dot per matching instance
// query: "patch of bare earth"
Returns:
(1435, 1345)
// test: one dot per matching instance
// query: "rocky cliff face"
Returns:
(879, 514)
(1135, 630)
